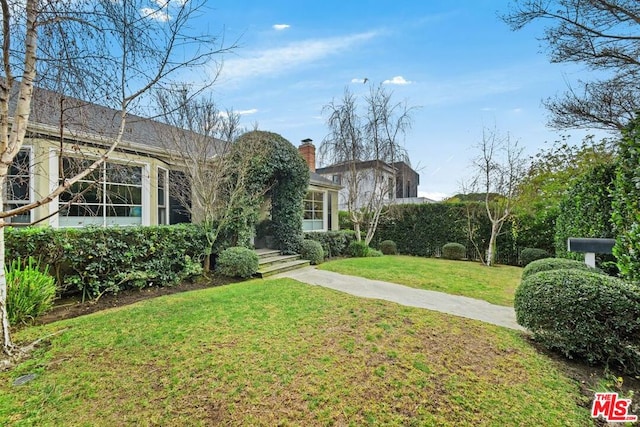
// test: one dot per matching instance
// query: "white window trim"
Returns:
(54, 173)
(32, 186)
(167, 213)
(325, 210)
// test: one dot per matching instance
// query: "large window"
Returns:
(314, 208)
(163, 195)
(18, 188)
(110, 195)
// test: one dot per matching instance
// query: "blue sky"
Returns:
(455, 60)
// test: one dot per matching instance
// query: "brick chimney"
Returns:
(308, 152)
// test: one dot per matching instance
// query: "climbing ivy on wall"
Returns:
(280, 168)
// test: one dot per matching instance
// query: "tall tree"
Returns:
(603, 35)
(110, 52)
(373, 132)
(201, 142)
(498, 169)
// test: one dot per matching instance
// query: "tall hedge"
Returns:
(626, 202)
(423, 229)
(586, 209)
(94, 260)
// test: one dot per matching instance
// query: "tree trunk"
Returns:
(491, 251)
(5, 336)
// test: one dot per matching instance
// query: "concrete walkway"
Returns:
(437, 301)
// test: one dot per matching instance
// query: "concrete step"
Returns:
(269, 270)
(267, 253)
(271, 260)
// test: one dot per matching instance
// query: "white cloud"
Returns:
(280, 27)
(356, 80)
(247, 112)
(294, 55)
(397, 80)
(157, 14)
(517, 110)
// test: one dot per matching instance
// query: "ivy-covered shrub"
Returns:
(96, 260)
(312, 251)
(626, 203)
(30, 291)
(388, 247)
(237, 261)
(455, 251)
(584, 315)
(528, 255)
(334, 243)
(281, 168)
(548, 264)
(358, 249)
(586, 210)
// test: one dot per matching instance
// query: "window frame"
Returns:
(30, 187)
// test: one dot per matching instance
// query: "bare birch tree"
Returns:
(216, 170)
(373, 134)
(499, 168)
(109, 52)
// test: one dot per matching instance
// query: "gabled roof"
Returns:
(319, 180)
(343, 167)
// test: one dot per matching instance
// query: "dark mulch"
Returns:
(70, 307)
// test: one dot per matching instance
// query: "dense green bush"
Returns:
(582, 314)
(454, 251)
(334, 243)
(358, 249)
(312, 251)
(548, 264)
(586, 210)
(528, 255)
(626, 212)
(237, 261)
(374, 253)
(30, 291)
(94, 260)
(388, 247)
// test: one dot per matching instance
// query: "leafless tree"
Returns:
(604, 35)
(498, 169)
(109, 52)
(372, 134)
(216, 171)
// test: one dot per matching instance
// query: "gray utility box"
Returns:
(590, 247)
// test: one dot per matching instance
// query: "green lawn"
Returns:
(493, 284)
(278, 352)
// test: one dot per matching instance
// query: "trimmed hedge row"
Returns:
(548, 264)
(334, 243)
(583, 314)
(97, 260)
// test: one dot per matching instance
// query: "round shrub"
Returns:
(583, 314)
(548, 264)
(30, 292)
(454, 251)
(528, 255)
(312, 251)
(374, 253)
(358, 249)
(237, 262)
(388, 247)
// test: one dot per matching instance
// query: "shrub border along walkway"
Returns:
(437, 301)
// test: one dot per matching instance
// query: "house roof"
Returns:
(317, 179)
(81, 119)
(367, 164)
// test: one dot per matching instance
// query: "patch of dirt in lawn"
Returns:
(71, 307)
